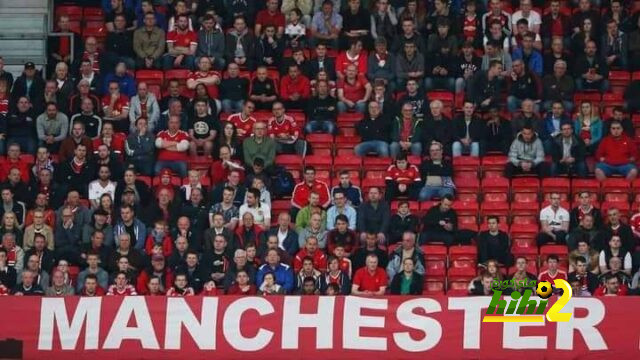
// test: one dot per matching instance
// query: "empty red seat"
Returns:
(463, 252)
(178, 74)
(151, 77)
(580, 185)
(73, 12)
(467, 184)
(290, 161)
(435, 268)
(494, 163)
(495, 184)
(466, 163)
(554, 250)
(376, 163)
(591, 96)
(465, 208)
(463, 270)
(500, 209)
(617, 185)
(433, 288)
(347, 162)
(434, 252)
(619, 80)
(525, 184)
(93, 13)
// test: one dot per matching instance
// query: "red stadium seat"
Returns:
(435, 269)
(151, 77)
(580, 185)
(177, 74)
(72, 11)
(556, 185)
(619, 80)
(466, 164)
(376, 163)
(348, 162)
(434, 252)
(431, 287)
(93, 14)
(495, 184)
(463, 252)
(494, 163)
(465, 208)
(525, 184)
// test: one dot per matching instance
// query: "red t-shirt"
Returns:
(182, 39)
(211, 89)
(354, 91)
(168, 155)
(265, 18)
(406, 176)
(342, 61)
(617, 151)
(300, 85)
(319, 260)
(117, 143)
(545, 276)
(634, 222)
(366, 281)
(244, 124)
(4, 105)
(556, 27)
(469, 27)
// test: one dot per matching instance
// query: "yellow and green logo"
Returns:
(522, 308)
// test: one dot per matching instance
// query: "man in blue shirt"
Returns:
(282, 272)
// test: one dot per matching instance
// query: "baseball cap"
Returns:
(165, 172)
(29, 65)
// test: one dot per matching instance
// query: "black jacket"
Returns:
(414, 289)
(36, 92)
(494, 247)
(437, 130)
(399, 225)
(322, 109)
(374, 129)
(76, 181)
(476, 128)
(328, 65)
(583, 64)
(432, 219)
(375, 220)
(578, 148)
(480, 88)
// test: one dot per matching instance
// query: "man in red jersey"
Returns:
(284, 130)
(172, 145)
(301, 192)
(181, 45)
(244, 121)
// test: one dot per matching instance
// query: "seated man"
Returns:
(172, 145)
(263, 90)
(284, 130)
(568, 153)
(406, 133)
(588, 280)
(591, 70)
(523, 84)
(283, 272)
(468, 131)
(409, 65)
(374, 132)
(181, 45)
(402, 179)
(586, 232)
(233, 90)
(295, 89)
(554, 223)
(303, 190)
(353, 91)
(437, 173)
(615, 249)
(494, 244)
(526, 155)
(612, 287)
(441, 69)
(259, 146)
(115, 106)
(551, 125)
(326, 25)
(351, 191)
(370, 280)
(52, 127)
(203, 129)
(321, 111)
(616, 154)
(440, 224)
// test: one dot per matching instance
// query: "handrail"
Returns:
(60, 34)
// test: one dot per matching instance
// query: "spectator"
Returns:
(235, 193)
(52, 127)
(303, 217)
(528, 52)
(326, 25)
(60, 49)
(614, 46)
(468, 132)
(140, 147)
(496, 13)
(240, 45)
(263, 90)
(374, 216)
(101, 276)
(406, 133)
(526, 155)
(402, 179)
(233, 89)
(259, 146)
(116, 108)
(173, 94)
(243, 121)
(58, 286)
(351, 191)
(407, 33)
(284, 131)
(440, 224)
(211, 42)
(119, 43)
(407, 250)
(585, 207)
(88, 118)
(15, 253)
(243, 285)
(410, 64)
(370, 280)
(77, 172)
(467, 65)
(68, 236)
(28, 85)
(270, 16)
(270, 46)
(381, 64)
(203, 129)
(287, 237)
(568, 151)
(555, 25)
(335, 277)
(442, 69)
(94, 81)
(588, 281)
(148, 43)
(181, 46)
(588, 126)
(144, 104)
(321, 111)
(353, 90)
(620, 115)
(370, 247)
(521, 274)
(261, 212)
(310, 251)
(341, 236)
(482, 286)
(612, 287)
(523, 84)
(586, 252)
(172, 145)
(408, 281)
(401, 222)
(302, 191)
(493, 243)
(273, 267)
(484, 88)
(615, 249)
(558, 87)
(294, 88)
(437, 173)
(21, 126)
(373, 130)
(527, 115)
(340, 207)
(554, 223)
(616, 154)
(28, 286)
(496, 38)
(591, 70)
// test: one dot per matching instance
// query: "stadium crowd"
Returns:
(147, 162)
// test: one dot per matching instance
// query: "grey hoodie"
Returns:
(521, 150)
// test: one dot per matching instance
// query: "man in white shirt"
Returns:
(261, 212)
(554, 222)
(103, 185)
(526, 12)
